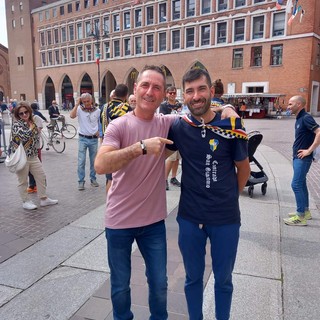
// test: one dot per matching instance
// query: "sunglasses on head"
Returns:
(23, 113)
(172, 92)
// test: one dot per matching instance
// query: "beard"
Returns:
(199, 110)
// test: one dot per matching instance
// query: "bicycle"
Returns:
(54, 139)
(69, 131)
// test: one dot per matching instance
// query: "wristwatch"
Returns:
(143, 147)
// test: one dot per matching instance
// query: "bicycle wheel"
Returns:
(69, 131)
(58, 143)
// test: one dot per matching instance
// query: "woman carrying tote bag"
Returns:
(25, 131)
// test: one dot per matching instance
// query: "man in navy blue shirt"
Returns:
(307, 139)
(215, 169)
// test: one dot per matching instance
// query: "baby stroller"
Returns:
(254, 139)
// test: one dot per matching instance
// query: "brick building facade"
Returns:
(246, 43)
(5, 90)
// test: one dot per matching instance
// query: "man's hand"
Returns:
(303, 153)
(228, 112)
(154, 145)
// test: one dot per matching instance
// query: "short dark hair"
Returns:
(171, 88)
(195, 74)
(121, 90)
(152, 68)
(34, 106)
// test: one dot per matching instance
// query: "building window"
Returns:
(86, 4)
(63, 34)
(69, 7)
(189, 37)
(43, 59)
(116, 23)
(175, 39)
(137, 18)
(88, 30)
(257, 27)
(79, 31)
(205, 35)
(149, 43)
(56, 36)
(21, 21)
(78, 6)
(318, 55)
(259, 1)
(12, 8)
(162, 41)
(71, 32)
(47, 14)
(205, 6)
(50, 62)
(162, 12)
(239, 30)
(20, 61)
(237, 61)
(239, 3)
(176, 9)
(57, 57)
(72, 56)
(49, 37)
(54, 12)
(191, 8)
(276, 55)
(95, 2)
(138, 45)
(106, 25)
(116, 48)
(150, 17)
(106, 50)
(40, 16)
(42, 39)
(88, 52)
(13, 23)
(64, 56)
(222, 5)
(126, 20)
(222, 32)
(256, 57)
(127, 47)
(278, 24)
(61, 10)
(80, 54)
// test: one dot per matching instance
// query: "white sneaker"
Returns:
(48, 202)
(29, 205)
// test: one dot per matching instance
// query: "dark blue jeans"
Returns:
(151, 241)
(224, 244)
(299, 184)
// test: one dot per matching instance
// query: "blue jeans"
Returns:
(224, 244)
(299, 184)
(151, 241)
(92, 146)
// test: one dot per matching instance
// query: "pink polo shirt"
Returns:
(137, 196)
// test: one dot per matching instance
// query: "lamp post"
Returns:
(95, 33)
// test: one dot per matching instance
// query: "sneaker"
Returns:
(29, 205)
(48, 202)
(167, 185)
(31, 189)
(295, 221)
(94, 183)
(81, 185)
(307, 215)
(175, 182)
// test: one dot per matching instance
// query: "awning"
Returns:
(253, 95)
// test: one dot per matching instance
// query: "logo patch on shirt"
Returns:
(213, 144)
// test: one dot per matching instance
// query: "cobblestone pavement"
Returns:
(279, 135)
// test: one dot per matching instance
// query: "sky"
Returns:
(3, 24)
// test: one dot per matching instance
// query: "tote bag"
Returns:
(16, 161)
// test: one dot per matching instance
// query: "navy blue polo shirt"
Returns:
(209, 186)
(304, 133)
